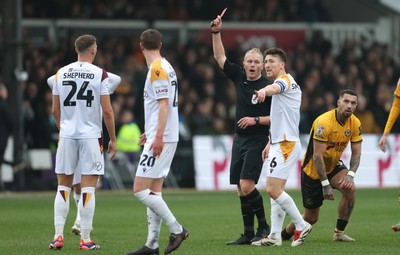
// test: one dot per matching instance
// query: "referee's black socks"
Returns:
(256, 202)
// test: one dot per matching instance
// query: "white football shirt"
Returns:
(285, 110)
(79, 86)
(161, 82)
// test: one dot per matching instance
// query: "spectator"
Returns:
(129, 134)
(6, 124)
(179, 10)
(318, 66)
(366, 117)
(202, 119)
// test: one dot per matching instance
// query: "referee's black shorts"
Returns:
(246, 161)
(311, 189)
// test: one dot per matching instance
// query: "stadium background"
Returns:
(331, 45)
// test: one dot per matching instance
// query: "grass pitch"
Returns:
(213, 218)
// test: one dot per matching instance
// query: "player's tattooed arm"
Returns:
(320, 167)
(318, 157)
(355, 156)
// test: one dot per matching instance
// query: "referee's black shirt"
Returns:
(244, 92)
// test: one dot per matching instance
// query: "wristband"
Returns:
(351, 173)
(215, 32)
(325, 183)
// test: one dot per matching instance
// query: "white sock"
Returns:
(87, 205)
(61, 209)
(287, 204)
(158, 206)
(277, 218)
(78, 214)
(154, 226)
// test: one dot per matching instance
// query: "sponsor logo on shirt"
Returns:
(162, 91)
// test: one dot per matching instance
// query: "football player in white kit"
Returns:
(283, 149)
(113, 81)
(160, 140)
(80, 100)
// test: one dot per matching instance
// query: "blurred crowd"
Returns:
(182, 10)
(206, 96)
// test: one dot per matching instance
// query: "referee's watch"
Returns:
(257, 119)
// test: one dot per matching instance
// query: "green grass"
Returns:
(26, 224)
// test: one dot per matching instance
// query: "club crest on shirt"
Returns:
(320, 131)
(347, 133)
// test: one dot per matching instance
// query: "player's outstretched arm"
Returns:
(268, 90)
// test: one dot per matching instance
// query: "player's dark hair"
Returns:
(84, 42)
(151, 39)
(278, 52)
(348, 91)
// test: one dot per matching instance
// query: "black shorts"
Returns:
(246, 161)
(311, 189)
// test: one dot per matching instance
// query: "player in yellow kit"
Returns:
(393, 115)
(322, 168)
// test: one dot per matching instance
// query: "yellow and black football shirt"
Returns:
(327, 129)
